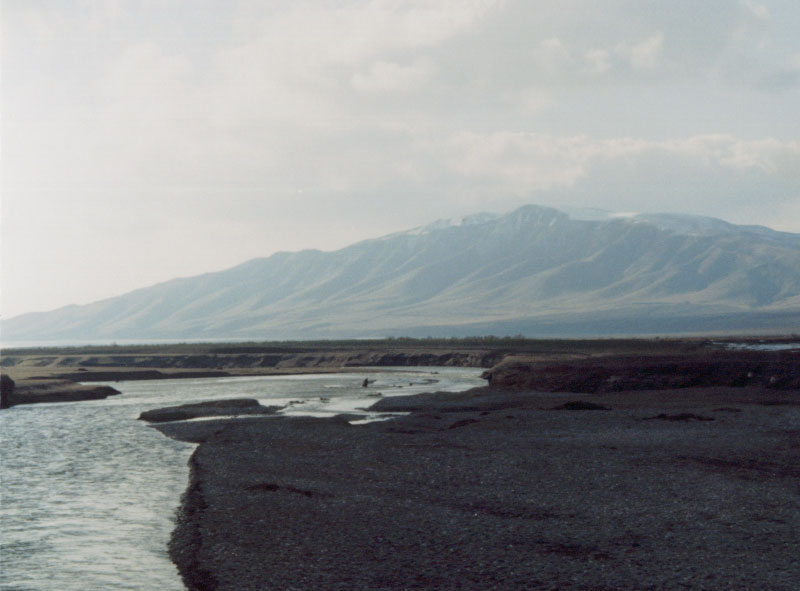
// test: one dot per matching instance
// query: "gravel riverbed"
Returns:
(690, 489)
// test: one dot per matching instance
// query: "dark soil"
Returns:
(618, 373)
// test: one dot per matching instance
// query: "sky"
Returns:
(144, 140)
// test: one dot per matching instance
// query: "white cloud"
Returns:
(313, 33)
(770, 155)
(382, 76)
(759, 10)
(552, 55)
(523, 162)
(597, 60)
(518, 161)
(528, 101)
(101, 13)
(146, 79)
(645, 55)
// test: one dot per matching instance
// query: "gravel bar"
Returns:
(692, 490)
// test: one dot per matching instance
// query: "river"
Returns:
(89, 493)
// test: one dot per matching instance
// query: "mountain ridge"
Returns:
(533, 264)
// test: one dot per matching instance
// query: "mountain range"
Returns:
(535, 271)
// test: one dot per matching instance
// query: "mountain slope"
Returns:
(534, 267)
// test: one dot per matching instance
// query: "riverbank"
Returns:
(668, 489)
(108, 363)
(65, 373)
(512, 360)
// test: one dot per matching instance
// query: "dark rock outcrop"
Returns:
(580, 405)
(6, 390)
(33, 391)
(130, 375)
(212, 408)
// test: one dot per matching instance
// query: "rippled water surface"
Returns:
(89, 493)
(764, 346)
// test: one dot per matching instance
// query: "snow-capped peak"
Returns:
(469, 220)
(593, 214)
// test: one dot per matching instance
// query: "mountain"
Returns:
(536, 271)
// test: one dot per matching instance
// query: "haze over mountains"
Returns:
(535, 271)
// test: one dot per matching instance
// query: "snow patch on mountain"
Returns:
(441, 224)
(593, 214)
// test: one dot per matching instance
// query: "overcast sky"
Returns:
(148, 139)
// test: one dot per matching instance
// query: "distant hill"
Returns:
(535, 271)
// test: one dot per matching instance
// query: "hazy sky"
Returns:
(148, 139)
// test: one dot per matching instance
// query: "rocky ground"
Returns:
(697, 488)
(227, 407)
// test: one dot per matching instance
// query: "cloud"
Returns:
(382, 76)
(646, 54)
(759, 10)
(597, 60)
(525, 162)
(293, 78)
(314, 33)
(551, 54)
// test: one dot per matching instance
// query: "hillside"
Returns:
(535, 271)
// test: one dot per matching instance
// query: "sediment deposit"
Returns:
(675, 489)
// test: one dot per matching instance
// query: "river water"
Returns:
(89, 493)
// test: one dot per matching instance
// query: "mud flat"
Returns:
(697, 488)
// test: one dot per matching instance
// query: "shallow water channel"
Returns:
(89, 493)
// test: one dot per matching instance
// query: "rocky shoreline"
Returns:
(694, 488)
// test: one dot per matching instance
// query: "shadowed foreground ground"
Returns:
(690, 489)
